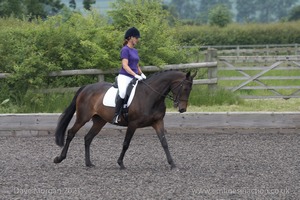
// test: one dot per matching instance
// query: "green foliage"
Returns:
(32, 8)
(158, 45)
(11, 7)
(202, 96)
(29, 51)
(87, 4)
(50, 103)
(38, 103)
(240, 34)
(196, 11)
(294, 14)
(220, 16)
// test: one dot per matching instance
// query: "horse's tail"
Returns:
(65, 119)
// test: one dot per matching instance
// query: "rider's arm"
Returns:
(126, 67)
(139, 70)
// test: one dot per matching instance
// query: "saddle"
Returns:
(112, 94)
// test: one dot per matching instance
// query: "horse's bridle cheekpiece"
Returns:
(175, 100)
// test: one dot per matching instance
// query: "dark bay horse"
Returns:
(147, 109)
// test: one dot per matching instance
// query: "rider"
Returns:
(130, 68)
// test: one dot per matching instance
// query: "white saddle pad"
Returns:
(110, 96)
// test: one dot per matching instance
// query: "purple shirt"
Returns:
(131, 54)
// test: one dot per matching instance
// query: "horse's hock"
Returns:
(45, 124)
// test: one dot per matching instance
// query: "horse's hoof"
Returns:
(120, 163)
(90, 165)
(173, 167)
(57, 159)
(122, 167)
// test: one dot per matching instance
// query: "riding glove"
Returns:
(138, 77)
(143, 76)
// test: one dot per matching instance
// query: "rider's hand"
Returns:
(143, 76)
(138, 77)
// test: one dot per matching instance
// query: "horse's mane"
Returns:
(154, 76)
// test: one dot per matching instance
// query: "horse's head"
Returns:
(181, 91)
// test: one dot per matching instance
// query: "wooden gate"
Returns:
(261, 76)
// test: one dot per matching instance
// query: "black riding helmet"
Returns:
(132, 32)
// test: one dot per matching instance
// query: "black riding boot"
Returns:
(118, 110)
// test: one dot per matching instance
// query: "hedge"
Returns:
(240, 34)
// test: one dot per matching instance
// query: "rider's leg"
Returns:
(123, 82)
(119, 105)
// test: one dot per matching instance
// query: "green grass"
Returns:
(252, 105)
(201, 100)
(38, 103)
(265, 105)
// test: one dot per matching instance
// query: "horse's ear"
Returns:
(189, 74)
(193, 76)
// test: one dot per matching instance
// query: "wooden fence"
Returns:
(274, 76)
(210, 65)
(246, 74)
(255, 50)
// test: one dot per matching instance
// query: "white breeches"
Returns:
(123, 82)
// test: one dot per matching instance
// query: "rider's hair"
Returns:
(126, 41)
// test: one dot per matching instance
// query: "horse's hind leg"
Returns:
(129, 133)
(160, 130)
(71, 135)
(98, 123)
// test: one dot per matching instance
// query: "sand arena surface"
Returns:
(211, 164)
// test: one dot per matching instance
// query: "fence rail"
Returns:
(212, 80)
(253, 70)
(259, 50)
(101, 73)
(258, 77)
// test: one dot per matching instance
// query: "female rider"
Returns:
(130, 68)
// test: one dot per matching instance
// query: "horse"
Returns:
(148, 108)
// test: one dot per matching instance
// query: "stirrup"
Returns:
(116, 119)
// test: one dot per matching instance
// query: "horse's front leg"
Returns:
(160, 130)
(129, 133)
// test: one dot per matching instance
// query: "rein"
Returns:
(175, 100)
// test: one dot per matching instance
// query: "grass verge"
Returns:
(251, 105)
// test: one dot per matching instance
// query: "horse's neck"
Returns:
(161, 85)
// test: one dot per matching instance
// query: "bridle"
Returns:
(175, 100)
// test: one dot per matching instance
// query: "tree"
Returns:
(11, 7)
(72, 4)
(35, 9)
(270, 10)
(246, 11)
(186, 9)
(32, 8)
(158, 45)
(294, 14)
(283, 7)
(87, 4)
(206, 5)
(219, 15)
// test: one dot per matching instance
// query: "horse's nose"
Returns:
(182, 110)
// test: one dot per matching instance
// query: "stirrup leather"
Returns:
(116, 119)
